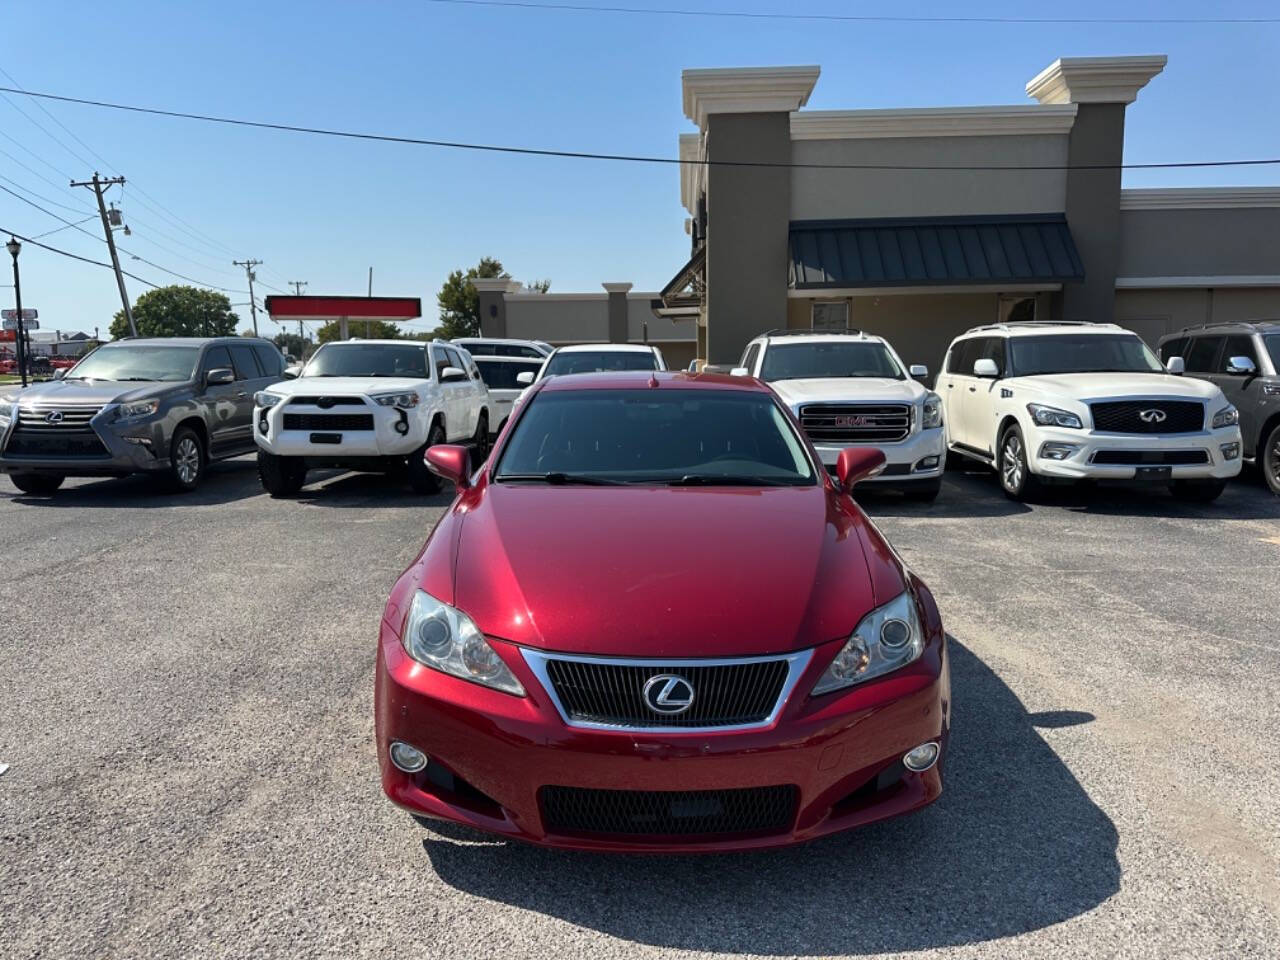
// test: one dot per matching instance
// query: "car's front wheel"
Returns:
(281, 476)
(1015, 475)
(186, 460)
(480, 442)
(1269, 457)
(1198, 491)
(41, 484)
(421, 479)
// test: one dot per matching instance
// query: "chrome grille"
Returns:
(856, 422)
(607, 693)
(68, 434)
(66, 419)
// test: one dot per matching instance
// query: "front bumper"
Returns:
(130, 447)
(384, 440)
(492, 753)
(921, 456)
(1134, 451)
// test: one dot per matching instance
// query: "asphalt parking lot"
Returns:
(186, 691)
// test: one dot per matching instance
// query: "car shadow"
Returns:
(963, 495)
(1243, 499)
(340, 488)
(1014, 844)
(225, 481)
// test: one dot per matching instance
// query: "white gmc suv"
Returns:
(373, 405)
(851, 389)
(1074, 401)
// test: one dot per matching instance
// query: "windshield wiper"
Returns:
(557, 478)
(710, 480)
(133, 379)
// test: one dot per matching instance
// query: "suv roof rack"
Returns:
(852, 331)
(1012, 324)
(1261, 321)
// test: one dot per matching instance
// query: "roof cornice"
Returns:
(1199, 198)
(1095, 79)
(746, 90)
(1019, 120)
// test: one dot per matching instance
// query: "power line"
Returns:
(856, 18)
(639, 158)
(74, 256)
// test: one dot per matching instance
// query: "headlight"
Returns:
(135, 411)
(1228, 416)
(444, 638)
(888, 637)
(266, 400)
(396, 400)
(1053, 417)
(932, 412)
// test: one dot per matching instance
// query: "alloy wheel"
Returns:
(1011, 466)
(1273, 461)
(188, 460)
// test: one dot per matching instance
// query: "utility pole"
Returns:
(366, 323)
(253, 304)
(98, 183)
(297, 292)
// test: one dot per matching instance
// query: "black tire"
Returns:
(421, 479)
(187, 460)
(924, 492)
(1197, 491)
(480, 442)
(1015, 475)
(1269, 459)
(281, 476)
(40, 484)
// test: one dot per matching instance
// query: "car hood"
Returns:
(1098, 386)
(78, 392)
(664, 572)
(344, 386)
(848, 389)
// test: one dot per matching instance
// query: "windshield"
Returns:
(1272, 340)
(368, 360)
(1080, 353)
(811, 361)
(597, 361)
(655, 436)
(135, 361)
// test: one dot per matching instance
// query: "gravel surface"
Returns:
(186, 691)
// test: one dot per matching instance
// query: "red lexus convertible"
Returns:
(652, 621)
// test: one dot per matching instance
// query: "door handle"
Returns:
(241, 395)
(951, 386)
(973, 389)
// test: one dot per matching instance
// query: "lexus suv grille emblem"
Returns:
(668, 694)
(1152, 416)
(53, 416)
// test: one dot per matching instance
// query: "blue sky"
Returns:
(326, 210)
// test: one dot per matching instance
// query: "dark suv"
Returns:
(166, 406)
(1243, 360)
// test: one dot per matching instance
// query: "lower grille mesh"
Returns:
(662, 813)
(328, 421)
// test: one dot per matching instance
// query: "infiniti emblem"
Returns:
(53, 416)
(1152, 416)
(668, 693)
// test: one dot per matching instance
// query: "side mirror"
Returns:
(856, 464)
(452, 375)
(59, 373)
(986, 368)
(1176, 366)
(218, 376)
(292, 372)
(919, 371)
(1241, 366)
(739, 372)
(525, 377)
(451, 462)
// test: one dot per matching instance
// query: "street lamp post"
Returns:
(14, 248)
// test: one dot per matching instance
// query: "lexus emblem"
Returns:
(1152, 416)
(850, 421)
(668, 694)
(53, 416)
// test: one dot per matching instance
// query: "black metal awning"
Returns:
(935, 251)
(688, 279)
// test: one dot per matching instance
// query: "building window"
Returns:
(831, 315)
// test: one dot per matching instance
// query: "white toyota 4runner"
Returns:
(373, 405)
(1075, 401)
(851, 389)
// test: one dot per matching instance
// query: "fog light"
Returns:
(921, 758)
(262, 425)
(410, 759)
(1057, 451)
(1230, 451)
(402, 427)
(928, 463)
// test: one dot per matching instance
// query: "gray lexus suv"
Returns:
(164, 406)
(1243, 360)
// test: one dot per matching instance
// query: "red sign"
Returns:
(353, 308)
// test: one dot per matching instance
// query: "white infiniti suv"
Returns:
(373, 405)
(1072, 401)
(851, 389)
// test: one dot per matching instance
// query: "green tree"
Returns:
(460, 304)
(178, 311)
(373, 330)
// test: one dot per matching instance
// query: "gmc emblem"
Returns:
(850, 421)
